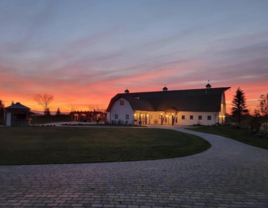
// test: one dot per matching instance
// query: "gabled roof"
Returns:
(206, 100)
(18, 106)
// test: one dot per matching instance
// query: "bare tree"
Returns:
(44, 100)
(93, 107)
(264, 110)
(97, 108)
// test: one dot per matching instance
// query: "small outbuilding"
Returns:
(17, 115)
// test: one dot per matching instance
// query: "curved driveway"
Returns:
(229, 174)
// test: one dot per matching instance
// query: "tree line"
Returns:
(241, 113)
(44, 100)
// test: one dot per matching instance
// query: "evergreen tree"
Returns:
(58, 113)
(239, 105)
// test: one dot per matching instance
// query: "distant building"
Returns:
(17, 115)
(88, 116)
(177, 107)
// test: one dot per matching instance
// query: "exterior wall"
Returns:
(195, 120)
(16, 122)
(121, 111)
(154, 117)
(223, 109)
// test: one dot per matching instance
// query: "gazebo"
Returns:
(17, 115)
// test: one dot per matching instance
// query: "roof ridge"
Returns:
(175, 90)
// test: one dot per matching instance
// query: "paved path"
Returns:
(230, 174)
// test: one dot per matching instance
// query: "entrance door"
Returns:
(8, 119)
(170, 120)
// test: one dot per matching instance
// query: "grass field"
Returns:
(1, 120)
(110, 125)
(50, 119)
(241, 135)
(47, 145)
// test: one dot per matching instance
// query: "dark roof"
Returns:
(18, 106)
(206, 100)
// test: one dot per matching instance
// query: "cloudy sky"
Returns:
(85, 52)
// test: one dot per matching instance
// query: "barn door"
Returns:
(8, 119)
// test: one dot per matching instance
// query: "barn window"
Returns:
(116, 116)
(199, 117)
(182, 117)
(209, 117)
(121, 102)
(191, 117)
(127, 116)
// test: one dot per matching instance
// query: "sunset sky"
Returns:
(85, 52)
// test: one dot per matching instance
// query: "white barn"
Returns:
(177, 107)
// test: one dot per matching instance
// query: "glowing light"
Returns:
(161, 114)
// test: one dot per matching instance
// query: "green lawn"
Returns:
(241, 135)
(50, 119)
(47, 145)
(1, 120)
(109, 125)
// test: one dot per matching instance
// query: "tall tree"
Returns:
(2, 106)
(58, 113)
(239, 105)
(264, 110)
(44, 100)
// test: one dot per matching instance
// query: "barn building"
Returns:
(176, 107)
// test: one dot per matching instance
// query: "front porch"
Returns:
(168, 117)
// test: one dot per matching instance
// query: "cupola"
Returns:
(165, 89)
(126, 91)
(208, 86)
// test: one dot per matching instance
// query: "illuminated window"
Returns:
(191, 117)
(127, 116)
(121, 102)
(116, 116)
(182, 117)
(209, 117)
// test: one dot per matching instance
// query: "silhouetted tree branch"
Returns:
(44, 100)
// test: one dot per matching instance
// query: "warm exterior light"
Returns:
(147, 115)
(134, 114)
(141, 114)
(161, 113)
